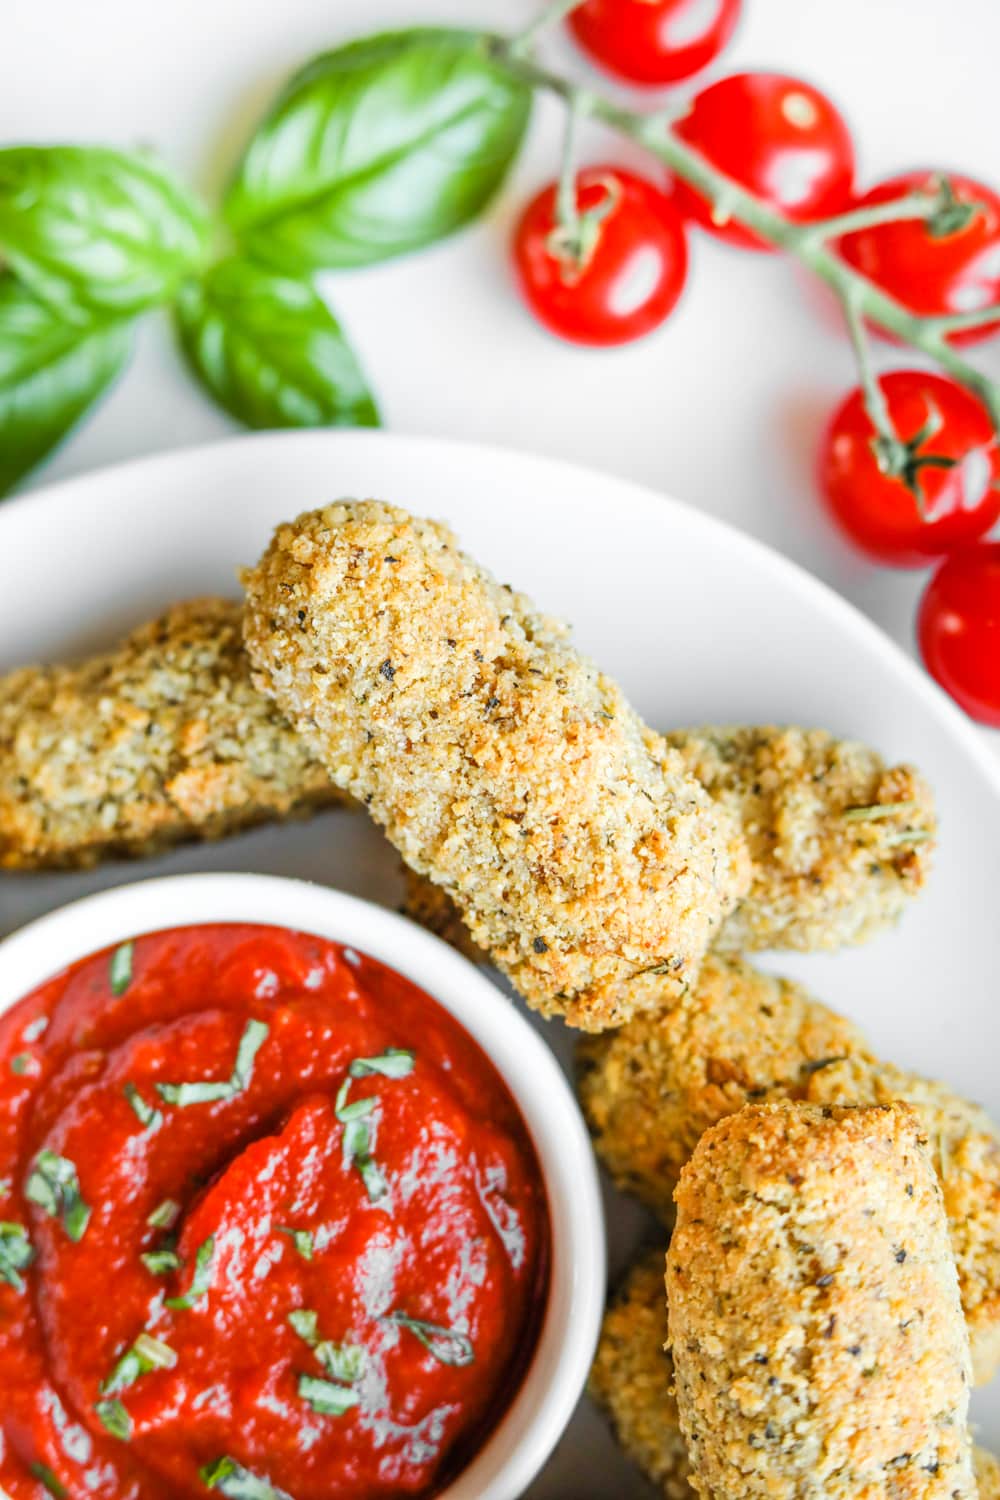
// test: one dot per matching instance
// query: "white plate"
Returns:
(698, 623)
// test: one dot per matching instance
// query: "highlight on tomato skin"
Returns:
(949, 265)
(618, 274)
(778, 137)
(654, 42)
(958, 629)
(945, 491)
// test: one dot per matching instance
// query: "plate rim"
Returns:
(841, 612)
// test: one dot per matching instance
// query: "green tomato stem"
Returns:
(567, 210)
(910, 206)
(874, 397)
(807, 243)
(976, 317)
(553, 13)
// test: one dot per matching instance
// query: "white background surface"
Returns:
(721, 407)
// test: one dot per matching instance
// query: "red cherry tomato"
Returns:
(936, 491)
(780, 138)
(949, 265)
(654, 41)
(618, 275)
(958, 627)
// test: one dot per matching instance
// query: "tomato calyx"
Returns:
(574, 240)
(950, 215)
(904, 459)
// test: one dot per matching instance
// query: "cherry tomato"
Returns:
(950, 264)
(780, 138)
(617, 274)
(654, 41)
(958, 627)
(935, 490)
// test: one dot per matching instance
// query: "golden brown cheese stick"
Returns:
(584, 859)
(817, 1335)
(633, 1381)
(75, 746)
(161, 740)
(838, 841)
(651, 1089)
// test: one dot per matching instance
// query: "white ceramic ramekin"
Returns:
(549, 1391)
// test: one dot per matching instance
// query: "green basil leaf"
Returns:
(377, 148)
(151, 1118)
(325, 1397)
(96, 231)
(302, 1240)
(120, 968)
(54, 1186)
(49, 1480)
(16, 1254)
(113, 1416)
(394, 1062)
(268, 349)
(50, 373)
(201, 1281)
(161, 1262)
(211, 1091)
(447, 1345)
(232, 1479)
(146, 1354)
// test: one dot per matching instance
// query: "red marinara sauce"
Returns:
(271, 1225)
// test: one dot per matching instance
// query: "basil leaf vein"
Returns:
(94, 231)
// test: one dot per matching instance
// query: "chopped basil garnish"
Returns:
(230, 1478)
(210, 1091)
(37, 1028)
(394, 1062)
(161, 1262)
(446, 1345)
(16, 1254)
(201, 1281)
(144, 1113)
(112, 1415)
(55, 1188)
(45, 1476)
(5, 1186)
(305, 1322)
(344, 1362)
(21, 1063)
(325, 1397)
(165, 1215)
(146, 1354)
(302, 1240)
(120, 969)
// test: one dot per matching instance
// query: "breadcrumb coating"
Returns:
(987, 1475)
(584, 859)
(651, 1089)
(838, 841)
(633, 1376)
(161, 740)
(817, 1335)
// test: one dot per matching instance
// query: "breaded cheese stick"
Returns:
(584, 859)
(633, 1381)
(838, 841)
(817, 1335)
(651, 1089)
(160, 740)
(632, 1378)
